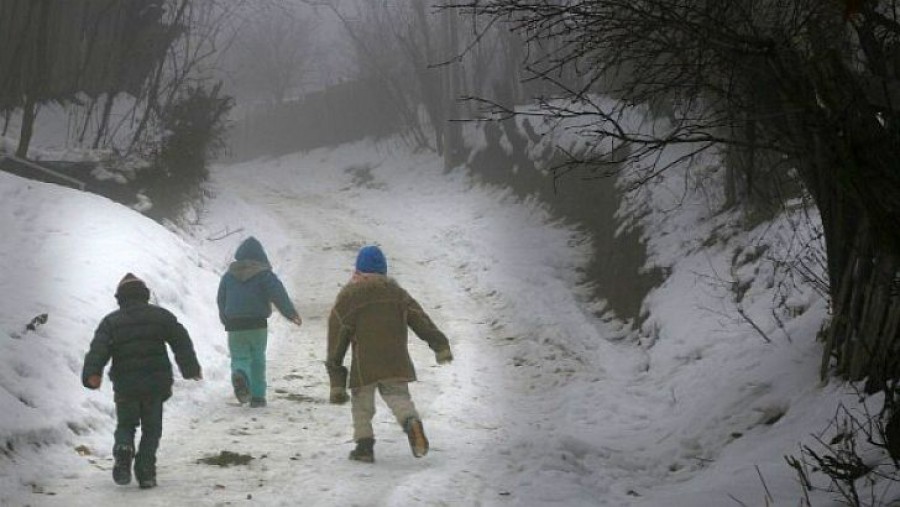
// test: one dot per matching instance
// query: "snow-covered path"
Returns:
(548, 401)
(501, 428)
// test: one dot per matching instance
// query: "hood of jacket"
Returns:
(251, 250)
(249, 260)
(246, 269)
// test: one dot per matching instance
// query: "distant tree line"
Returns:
(338, 114)
(405, 52)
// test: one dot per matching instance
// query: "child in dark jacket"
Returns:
(245, 297)
(134, 337)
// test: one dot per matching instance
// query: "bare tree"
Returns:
(810, 84)
(388, 48)
(204, 28)
(393, 41)
(276, 52)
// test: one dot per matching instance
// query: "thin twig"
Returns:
(736, 500)
(224, 234)
(769, 497)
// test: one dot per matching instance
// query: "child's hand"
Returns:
(338, 396)
(297, 320)
(94, 381)
(198, 376)
(443, 357)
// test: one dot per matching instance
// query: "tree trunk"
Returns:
(104, 119)
(38, 80)
(7, 115)
(29, 113)
(863, 259)
(453, 143)
(862, 340)
(429, 79)
(87, 120)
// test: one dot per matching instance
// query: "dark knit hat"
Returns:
(371, 260)
(132, 287)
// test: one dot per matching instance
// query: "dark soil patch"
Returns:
(226, 458)
(301, 398)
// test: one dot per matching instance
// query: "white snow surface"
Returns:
(546, 402)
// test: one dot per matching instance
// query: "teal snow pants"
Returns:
(248, 354)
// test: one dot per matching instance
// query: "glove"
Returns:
(338, 396)
(337, 375)
(94, 381)
(444, 356)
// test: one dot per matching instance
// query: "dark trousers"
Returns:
(148, 414)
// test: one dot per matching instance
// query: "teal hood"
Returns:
(251, 250)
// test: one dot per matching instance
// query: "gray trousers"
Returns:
(395, 394)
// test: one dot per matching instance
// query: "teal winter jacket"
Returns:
(249, 288)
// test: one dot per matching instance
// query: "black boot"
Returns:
(364, 451)
(415, 432)
(146, 476)
(147, 482)
(121, 472)
(145, 471)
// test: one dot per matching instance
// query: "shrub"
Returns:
(193, 130)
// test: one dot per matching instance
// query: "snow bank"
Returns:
(63, 253)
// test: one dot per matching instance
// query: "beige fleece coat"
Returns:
(371, 316)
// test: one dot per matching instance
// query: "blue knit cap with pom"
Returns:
(371, 260)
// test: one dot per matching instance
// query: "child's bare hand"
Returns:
(338, 396)
(94, 381)
(444, 356)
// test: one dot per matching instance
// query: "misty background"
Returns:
(154, 91)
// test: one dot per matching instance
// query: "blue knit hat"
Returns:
(371, 260)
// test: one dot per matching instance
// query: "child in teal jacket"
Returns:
(246, 294)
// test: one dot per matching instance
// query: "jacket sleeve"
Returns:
(422, 325)
(220, 300)
(339, 333)
(279, 296)
(183, 348)
(99, 353)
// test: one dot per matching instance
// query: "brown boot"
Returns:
(364, 451)
(418, 443)
(241, 386)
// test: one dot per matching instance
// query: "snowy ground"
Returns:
(546, 402)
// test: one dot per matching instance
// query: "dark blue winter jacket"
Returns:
(249, 288)
(134, 337)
